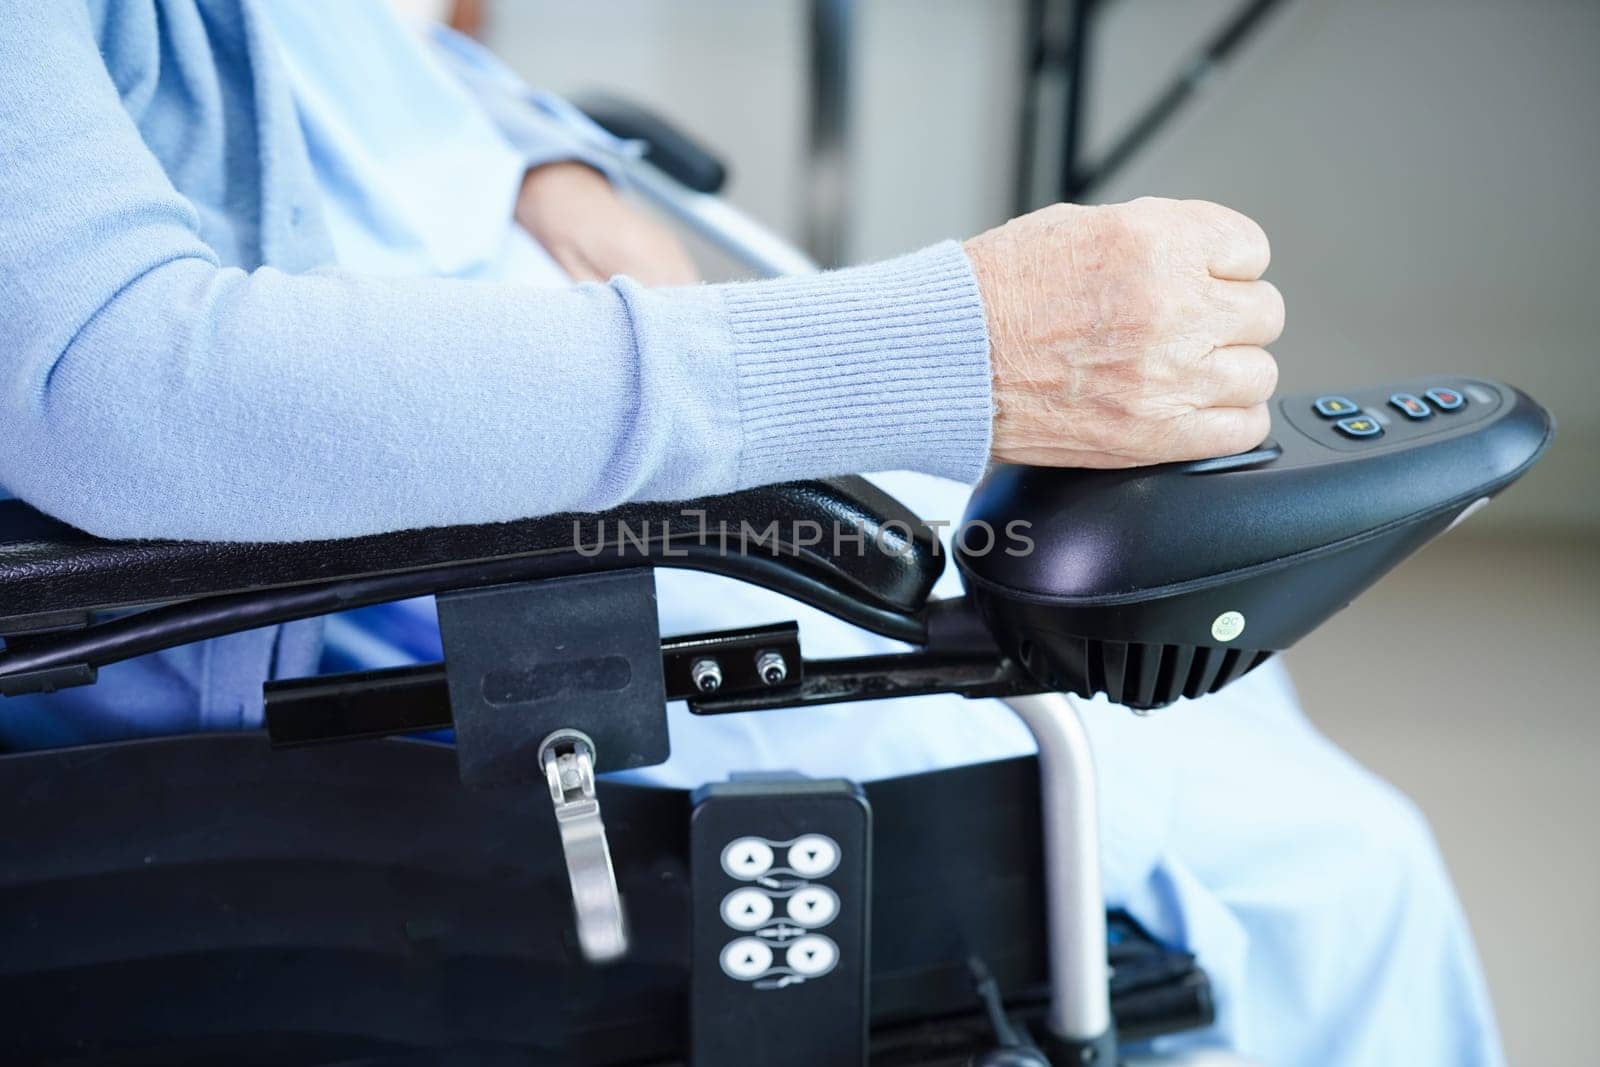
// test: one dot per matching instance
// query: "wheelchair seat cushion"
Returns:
(840, 544)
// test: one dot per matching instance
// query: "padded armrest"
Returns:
(53, 576)
(671, 150)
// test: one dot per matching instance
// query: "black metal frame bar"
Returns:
(416, 699)
(1075, 178)
(71, 653)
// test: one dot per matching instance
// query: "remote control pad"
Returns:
(779, 869)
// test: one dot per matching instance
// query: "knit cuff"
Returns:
(875, 368)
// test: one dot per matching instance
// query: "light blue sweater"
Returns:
(177, 359)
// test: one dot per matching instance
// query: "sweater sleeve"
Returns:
(147, 391)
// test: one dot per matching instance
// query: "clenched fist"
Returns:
(1128, 334)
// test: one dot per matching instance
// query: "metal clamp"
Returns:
(568, 759)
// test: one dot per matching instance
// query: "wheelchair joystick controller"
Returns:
(1157, 583)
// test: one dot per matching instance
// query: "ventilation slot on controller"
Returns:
(1137, 674)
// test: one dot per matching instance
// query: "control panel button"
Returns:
(747, 958)
(1359, 426)
(1333, 407)
(746, 909)
(813, 856)
(1412, 407)
(812, 955)
(747, 857)
(1446, 399)
(815, 905)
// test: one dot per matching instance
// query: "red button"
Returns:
(1413, 407)
(1446, 399)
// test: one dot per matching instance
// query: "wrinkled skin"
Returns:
(1128, 334)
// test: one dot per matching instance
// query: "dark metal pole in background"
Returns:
(1150, 121)
(827, 189)
(1033, 60)
(1069, 181)
(1060, 45)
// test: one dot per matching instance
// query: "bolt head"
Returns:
(771, 667)
(706, 675)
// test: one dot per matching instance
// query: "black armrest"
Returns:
(669, 148)
(53, 577)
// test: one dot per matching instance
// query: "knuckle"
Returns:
(1250, 377)
(1259, 242)
(1273, 306)
(1250, 240)
(1254, 427)
(1267, 381)
(1231, 229)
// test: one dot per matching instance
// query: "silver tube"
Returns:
(1075, 907)
(716, 221)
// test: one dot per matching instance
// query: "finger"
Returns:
(1222, 431)
(1239, 247)
(1237, 376)
(1252, 312)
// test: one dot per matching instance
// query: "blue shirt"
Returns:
(425, 189)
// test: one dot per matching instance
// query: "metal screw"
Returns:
(706, 675)
(771, 667)
(564, 755)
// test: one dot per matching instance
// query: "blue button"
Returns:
(1359, 426)
(1412, 407)
(1332, 407)
(1446, 399)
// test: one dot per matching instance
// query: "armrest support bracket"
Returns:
(526, 660)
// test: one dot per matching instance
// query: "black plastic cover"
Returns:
(1153, 583)
(1104, 536)
(668, 147)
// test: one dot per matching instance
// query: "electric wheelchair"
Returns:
(353, 885)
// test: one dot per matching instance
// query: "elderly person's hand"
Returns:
(593, 233)
(1128, 334)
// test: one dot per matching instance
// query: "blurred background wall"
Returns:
(1427, 170)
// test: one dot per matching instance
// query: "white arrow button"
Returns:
(812, 955)
(747, 857)
(813, 856)
(815, 905)
(746, 958)
(746, 909)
